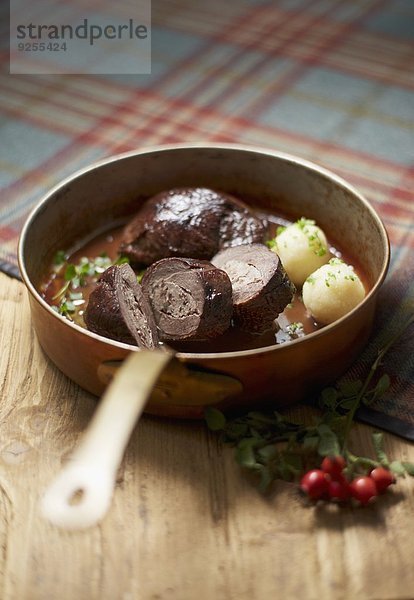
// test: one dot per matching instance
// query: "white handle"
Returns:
(80, 495)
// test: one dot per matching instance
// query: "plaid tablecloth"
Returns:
(329, 80)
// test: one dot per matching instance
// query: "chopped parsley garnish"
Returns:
(140, 275)
(295, 329)
(303, 223)
(273, 243)
(70, 297)
(336, 261)
(310, 229)
(59, 258)
(121, 260)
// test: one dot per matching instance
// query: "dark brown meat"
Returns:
(117, 309)
(190, 299)
(261, 287)
(194, 222)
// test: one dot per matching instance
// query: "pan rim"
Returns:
(206, 356)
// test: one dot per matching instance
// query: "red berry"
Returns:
(383, 478)
(339, 490)
(315, 484)
(363, 488)
(334, 465)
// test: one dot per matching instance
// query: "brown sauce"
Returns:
(286, 326)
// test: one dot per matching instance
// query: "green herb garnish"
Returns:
(295, 329)
(59, 258)
(140, 275)
(308, 226)
(302, 223)
(273, 243)
(121, 260)
(76, 276)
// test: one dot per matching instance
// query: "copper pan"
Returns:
(110, 190)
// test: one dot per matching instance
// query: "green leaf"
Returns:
(70, 272)
(267, 452)
(347, 404)
(66, 307)
(215, 419)
(85, 269)
(397, 467)
(409, 468)
(266, 478)
(328, 443)
(310, 442)
(328, 397)
(382, 385)
(256, 433)
(364, 462)
(293, 461)
(59, 258)
(328, 446)
(324, 429)
(285, 471)
(337, 423)
(378, 443)
(350, 388)
(235, 430)
(245, 454)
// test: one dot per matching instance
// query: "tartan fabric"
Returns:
(329, 80)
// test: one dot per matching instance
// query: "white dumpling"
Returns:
(302, 248)
(332, 291)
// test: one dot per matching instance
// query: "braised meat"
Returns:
(190, 299)
(194, 222)
(261, 287)
(118, 309)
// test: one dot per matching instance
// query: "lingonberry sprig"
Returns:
(319, 454)
(331, 482)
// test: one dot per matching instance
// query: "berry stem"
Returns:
(358, 399)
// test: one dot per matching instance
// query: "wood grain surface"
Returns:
(185, 523)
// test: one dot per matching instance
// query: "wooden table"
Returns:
(185, 523)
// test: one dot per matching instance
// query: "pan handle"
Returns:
(80, 495)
